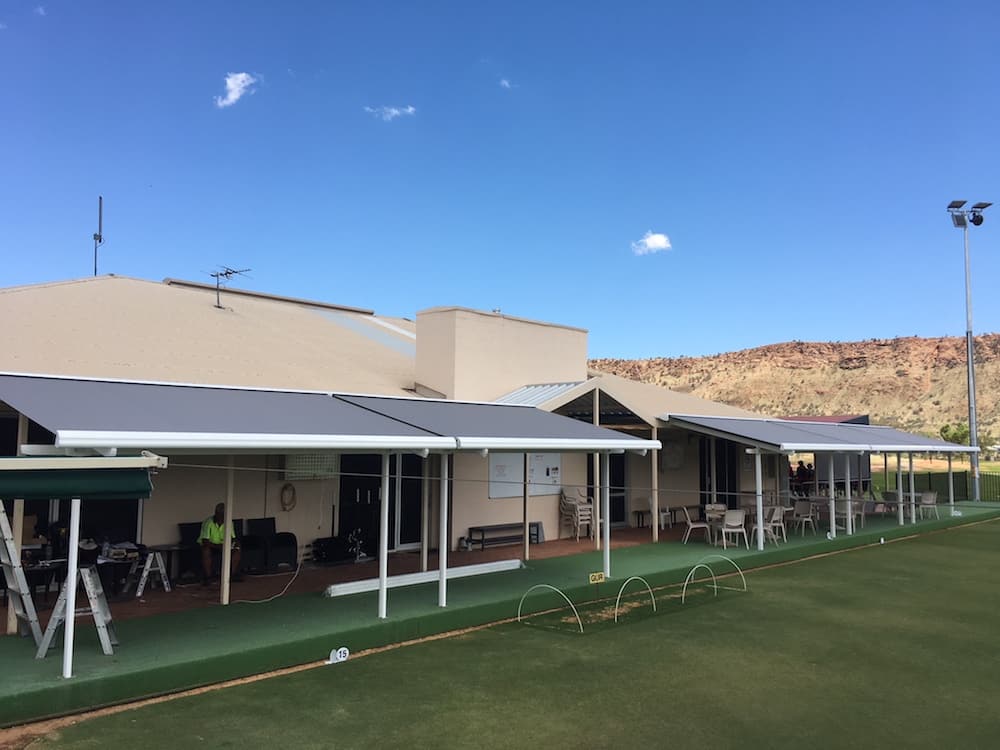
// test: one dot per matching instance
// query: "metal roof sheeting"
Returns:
(789, 436)
(535, 395)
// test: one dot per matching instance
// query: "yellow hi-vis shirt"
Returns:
(215, 532)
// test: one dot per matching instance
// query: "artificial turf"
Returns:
(892, 645)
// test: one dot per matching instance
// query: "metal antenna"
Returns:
(225, 273)
(99, 236)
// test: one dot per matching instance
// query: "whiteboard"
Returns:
(507, 474)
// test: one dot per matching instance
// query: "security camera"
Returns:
(976, 219)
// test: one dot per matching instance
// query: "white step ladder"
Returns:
(18, 591)
(98, 608)
(152, 564)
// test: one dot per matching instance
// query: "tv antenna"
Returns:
(98, 236)
(225, 272)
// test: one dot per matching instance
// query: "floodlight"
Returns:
(961, 217)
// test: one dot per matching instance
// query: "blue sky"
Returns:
(399, 156)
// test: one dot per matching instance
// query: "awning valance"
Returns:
(65, 484)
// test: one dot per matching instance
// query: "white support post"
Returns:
(606, 510)
(913, 492)
(712, 471)
(383, 539)
(833, 500)
(654, 489)
(759, 487)
(397, 501)
(227, 541)
(72, 566)
(443, 542)
(899, 489)
(951, 488)
(425, 503)
(849, 523)
(17, 526)
(524, 509)
(597, 510)
(885, 472)
(138, 520)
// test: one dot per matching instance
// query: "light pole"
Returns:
(961, 217)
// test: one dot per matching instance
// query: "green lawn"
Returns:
(893, 645)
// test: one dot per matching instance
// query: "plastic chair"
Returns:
(733, 523)
(928, 503)
(693, 525)
(575, 513)
(666, 518)
(803, 515)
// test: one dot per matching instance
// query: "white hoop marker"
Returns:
(622, 590)
(553, 588)
(715, 584)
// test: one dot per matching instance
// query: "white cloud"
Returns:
(237, 84)
(505, 83)
(40, 10)
(388, 114)
(651, 243)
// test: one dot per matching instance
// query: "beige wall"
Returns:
(678, 485)
(189, 489)
(471, 505)
(475, 356)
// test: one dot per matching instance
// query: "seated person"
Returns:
(211, 539)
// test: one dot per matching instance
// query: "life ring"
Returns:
(287, 496)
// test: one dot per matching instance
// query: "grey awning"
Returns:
(159, 416)
(787, 436)
(156, 416)
(478, 426)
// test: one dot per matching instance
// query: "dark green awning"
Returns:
(86, 484)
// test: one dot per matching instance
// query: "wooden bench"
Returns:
(494, 534)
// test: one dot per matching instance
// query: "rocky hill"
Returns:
(918, 384)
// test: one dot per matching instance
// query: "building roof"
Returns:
(105, 414)
(119, 327)
(644, 400)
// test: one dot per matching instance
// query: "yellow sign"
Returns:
(597, 577)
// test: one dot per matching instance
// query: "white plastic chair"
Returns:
(928, 503)
(803, 515)
(575, 514)
(768, 528)
(666, 518)
(777, 523)
(692, 525)
(733, 523)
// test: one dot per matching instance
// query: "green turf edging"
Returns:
(47, 699)
(83, 693)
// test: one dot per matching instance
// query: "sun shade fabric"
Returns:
(782, 435)
(61, 404)
(157, 416)
(482, 423)
(65, 484)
